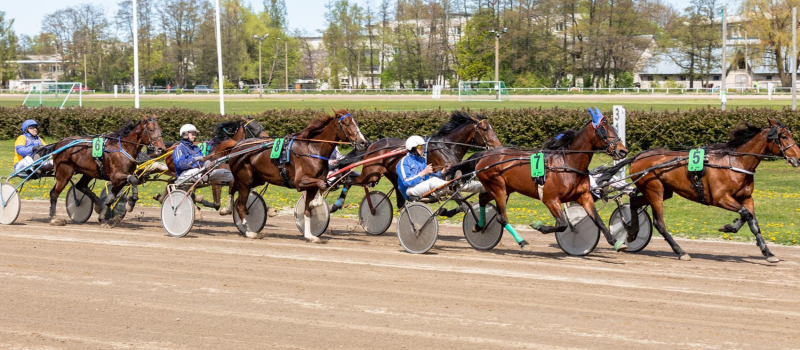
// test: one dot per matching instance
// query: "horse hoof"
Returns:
(272, 212)
(620, 246)
(773, 259)
(98, 209)
(157, 198)
(224, 211)
(476, 228)
(685, 257)
(198, 198)
(251, 234)
(313, 239)
(58, 222)
(129, 207)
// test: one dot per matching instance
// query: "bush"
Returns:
(527, 127)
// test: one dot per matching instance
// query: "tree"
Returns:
(8, 46)
(770, 21)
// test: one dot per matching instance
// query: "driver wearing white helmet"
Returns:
(417, 178)
(189, 164)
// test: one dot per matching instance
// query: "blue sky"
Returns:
(302, 14)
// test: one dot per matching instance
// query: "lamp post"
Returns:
(794, 58)
(260, 84)
(497, 35)
(723, 90)
(285, 62)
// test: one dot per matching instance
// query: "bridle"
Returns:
(610, 142)
(248, 134)
(483, 136)
(341, 126)
(775, 134)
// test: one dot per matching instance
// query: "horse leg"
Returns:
(83, 186)
(216, 192)
(134, 182)
(655, 199)
(632, 227)
(62, 178)
(342, 196)
(110, 199)
(554, 205)
(311, 186)
(498, 191)
(226, 210)
(587, 202)
(483, 199)
(744, 215)
(241, 208)
(749, 206)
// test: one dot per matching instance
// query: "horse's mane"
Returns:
(738, 137)
(222, 132)
(562, 142)
(457, 120)
(315, 127)
(125, 130)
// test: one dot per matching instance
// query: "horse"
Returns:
(727, 181)
(225, 137)
(506, 170)
(448, 146)
(117, 165)
(308, 153)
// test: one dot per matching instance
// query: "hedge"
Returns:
(527, 127)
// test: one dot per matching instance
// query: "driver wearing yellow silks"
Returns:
(26, 146)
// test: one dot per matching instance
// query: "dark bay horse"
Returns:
(225, 137)
(307, 166)
(118, 163)
(727, 182)
(447, 147)
(506, 170)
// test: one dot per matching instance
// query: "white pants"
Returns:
(435, 182)
(216, 176)
(27, 161)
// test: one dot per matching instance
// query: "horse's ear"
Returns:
(773, 122)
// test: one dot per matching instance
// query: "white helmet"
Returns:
(414, 141)
(187, 128)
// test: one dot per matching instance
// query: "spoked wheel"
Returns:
(255, 213)
(582, 235)
(118, 209)
(9, 205)
(492, 231)
(320, 217)
(417, 228)
(177, 213)
(378, 223)
(645, 227)
(79, 205)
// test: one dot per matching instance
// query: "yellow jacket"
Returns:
(25, 145)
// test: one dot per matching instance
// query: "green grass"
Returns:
(777, 198)
(251, 106)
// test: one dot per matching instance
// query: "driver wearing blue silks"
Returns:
(189, 161)
(416, 178)
(26, 146)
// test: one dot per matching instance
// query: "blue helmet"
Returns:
(27, 124)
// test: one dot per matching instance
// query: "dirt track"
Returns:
(83, 287)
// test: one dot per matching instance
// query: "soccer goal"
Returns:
(482, 91)
(58, 95)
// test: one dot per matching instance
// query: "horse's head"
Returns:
(347, 130)
(150, 136)
(485, 135)
(781, 143)
(605, 136)
(252, 128)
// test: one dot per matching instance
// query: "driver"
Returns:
(26, 146)
(189, 164)
(417, 178)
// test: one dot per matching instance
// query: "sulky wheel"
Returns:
(9, 204)
(256, 214)
(320, 217)
(417, 228)
(79, 205)
(645, 227)
(581, 236)
(492, 230)
(177, 213)
(375, 223)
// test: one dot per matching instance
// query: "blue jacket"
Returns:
(30, 142)
(186, 156)
(408, 170)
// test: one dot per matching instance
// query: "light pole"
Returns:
(723, 91)
(260, 84)
(135, 57)
(794, 58)
(497, 35)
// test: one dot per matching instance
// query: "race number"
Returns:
(537, 164)
(97, 147)
(277, 146)
(696, 157)
(204, 148)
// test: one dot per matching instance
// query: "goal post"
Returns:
(482, 91)
(57, 95)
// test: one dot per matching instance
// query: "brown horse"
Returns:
(225, 137)
(727, 181)
(447, 147)
(308, 153)
(117, 164)
(505, 171)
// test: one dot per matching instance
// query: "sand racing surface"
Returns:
(132, 287)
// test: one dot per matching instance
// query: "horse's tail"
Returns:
(467, 166)
(608, 173)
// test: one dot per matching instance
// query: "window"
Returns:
(683, 78)
(716, 77)
(769, 77)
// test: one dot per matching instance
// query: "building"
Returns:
(36, 69)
